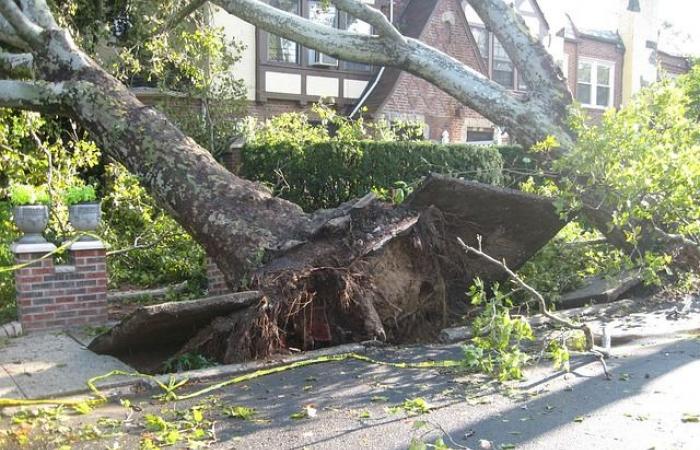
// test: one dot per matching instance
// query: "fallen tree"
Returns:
(363, 270)
(368, 271)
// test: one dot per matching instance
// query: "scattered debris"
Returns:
(598, 290)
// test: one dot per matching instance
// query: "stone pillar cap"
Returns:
(87, 245)
(44, 247)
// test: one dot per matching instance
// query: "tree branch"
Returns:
(16, 62)
(528, 121)
(536, 65)
(39, 12)
(332, 41)
(25, 28)
(532, 291)
(32, 95)
(178, 17)
(372, 16)
(8, 36)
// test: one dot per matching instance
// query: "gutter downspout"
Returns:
(377, 78)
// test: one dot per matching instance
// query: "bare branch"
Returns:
(8, 36)
(372, 16)
(16, 62)
(532, 291)
(528, 121)
(31, 95)
(39, 12)
(25, 28)
(332, 41)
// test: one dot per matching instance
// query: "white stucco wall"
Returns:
(243, 33)
(636, 28)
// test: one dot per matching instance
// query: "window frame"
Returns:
(265, 47)
(304, 58)
(595, 63)
(489, 60)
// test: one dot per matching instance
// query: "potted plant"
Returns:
(30, 211)
(84, 210)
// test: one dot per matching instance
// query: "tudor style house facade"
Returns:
(604, 67)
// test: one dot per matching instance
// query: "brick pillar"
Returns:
(55, 297)
(216, 284)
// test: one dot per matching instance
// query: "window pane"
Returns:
(603, 75)
(583, 93)
(356, 26)
(278, 48)
(499, 52)
(602, 96)
(482, 41)
(521, 84)
(325, 15)
(503, 72)
(584, 72)
(281, 50)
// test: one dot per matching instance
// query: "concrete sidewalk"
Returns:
(50, 365)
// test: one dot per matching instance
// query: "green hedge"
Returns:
(326, 174)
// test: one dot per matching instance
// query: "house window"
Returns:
(280, 49)
(354, 25)
(327, 15)
(482, 41)
(503, 70)
(500, 67)
(594, 83)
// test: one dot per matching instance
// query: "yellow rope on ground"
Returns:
(169, 389)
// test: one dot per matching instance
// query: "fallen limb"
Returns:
(540, 299)
(590, 343)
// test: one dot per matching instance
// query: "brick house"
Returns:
(604, 66)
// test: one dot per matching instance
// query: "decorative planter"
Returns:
(32, 221)
(85, 217)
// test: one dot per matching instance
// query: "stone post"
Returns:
(53, 297)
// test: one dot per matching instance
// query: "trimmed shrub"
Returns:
(326, 174)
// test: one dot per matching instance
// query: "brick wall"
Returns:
(413, 96)
(272, 108)
(54, 297)
(216, 282)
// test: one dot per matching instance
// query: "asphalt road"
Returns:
(654, 383)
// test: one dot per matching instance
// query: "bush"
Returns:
(325, 174)
(79, 194)
(25, 194)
